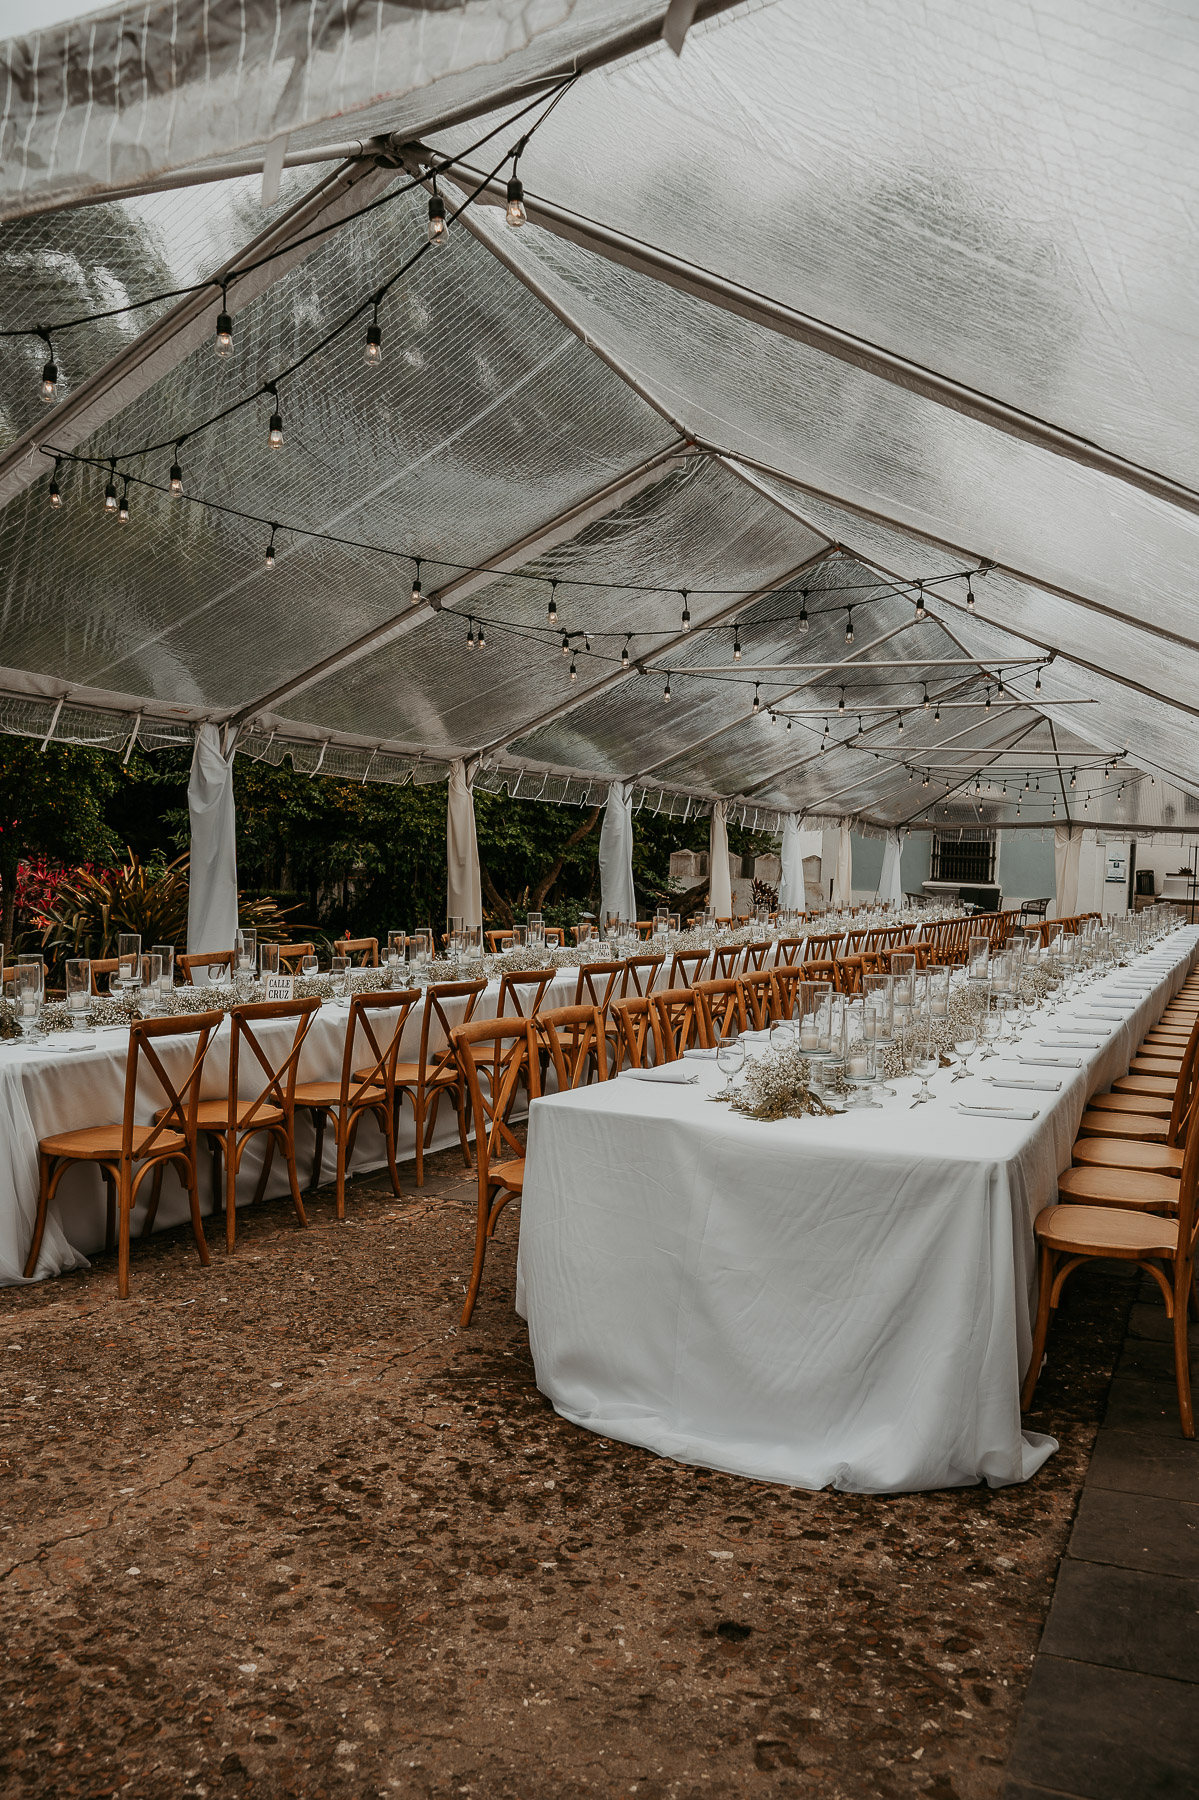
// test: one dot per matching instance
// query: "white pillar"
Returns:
(720, 882)
(464, 888)
(212, 886)
(843, 879)
(890, 883)
(617, 894)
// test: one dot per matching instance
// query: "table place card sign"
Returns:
(279, 987)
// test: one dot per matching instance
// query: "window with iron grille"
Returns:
(968, 858)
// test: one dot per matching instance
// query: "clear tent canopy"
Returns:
(822, 442)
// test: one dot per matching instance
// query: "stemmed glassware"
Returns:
(879, 991)
(990, 1025)
(730, 1060)
(925, 1061)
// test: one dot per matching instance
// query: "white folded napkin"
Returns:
(1106, 1014)
(1052, 1062)
(674, 1072)
(65, 1049)
(1072, 1043)
(702, 1055)
(998, 1112)
(1040, 1086)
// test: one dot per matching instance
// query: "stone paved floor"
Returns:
(278, 1528)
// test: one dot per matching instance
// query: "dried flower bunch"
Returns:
(778, 1085)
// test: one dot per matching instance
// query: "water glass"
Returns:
(782, 1035)
(245, 951)
(28, 998)
(268, 960)
(166, 967)
(978, 957)
(79, 991)
(903, 969)
(310, 966)
(535, 930)
(129, 958)
(397, 948)
(340, 969)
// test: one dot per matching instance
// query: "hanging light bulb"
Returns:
(824, 739)
(565, 645)
(551, 611)
(224, 327)
(969, 596)
(624, 655)
(587, 642)
(757, 705)
(937, 714)
(788, 724)
(269, 558)
(841, 704)
(686, 618)
(774, 718)
(736, 643)
(987, 702)
(470, 634)
(921, 609)
(110, 489)
(515, 214)
(176, 475)
(1074, 778)
(55, 490)
(803, 612)
(1037, 688)
(999, 687)
(439, 225)
(849, 624)
(1086, 805)
(49, 387)
(911, 774)
(899, 723)
(978, 785)
(372, 356)
(123, 507)
(924, 783)
(574, 673)
(274, 435)
(1053, 814)
(415, 596)
(482, 641)
(926, 702)
(666, 689)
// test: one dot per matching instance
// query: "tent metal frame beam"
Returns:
(642, 665)
(874, 359)
(187, 325)
(942, 798)
(558, 530)
(923, 662)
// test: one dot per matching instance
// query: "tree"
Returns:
(51, 805)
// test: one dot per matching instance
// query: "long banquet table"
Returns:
(73, 1079)
(827, 1302)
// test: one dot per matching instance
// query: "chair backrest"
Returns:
(435, 1019)
(786, 978)
(685, 967)
(852, 969)
(919, 951)
(198, 959)
(755, 955)
(824, 947)
(719, 1006)
(498, 940)
(1188, 1222)
(513, 1059)
(365, 950)
(103, 965)
(1185, 1091)
(640, 974)
(823, 969)
(182, 1097)
(757, 993)
(278, 1073)
(291, 954)
(788, 950)
(379, 1068)
(521, 992)
(725, 961)
(632, 1020)
(576, 1041)
(672, 1020)
(596, 982)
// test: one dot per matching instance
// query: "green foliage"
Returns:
(52, 805)
(91, 909)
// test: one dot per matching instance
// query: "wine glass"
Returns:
(925, 1061)
(991, 1026)
(967, 1044)
(730, 1060)
(340, 970)
(309, 966)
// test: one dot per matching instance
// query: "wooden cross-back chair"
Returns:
(499, 940)
(292, 955)
(364, 951)
(786, 978)
(1161, 1242)
(436, 1073)
(231, 1122)
(103, 965)
(726, 960)
(755, 955)
(521, 992)
(368, 1090)
(719, 1010)
(198, 959)
(634, 1037)
(505, 1051)
(577, 1043)
(824, 947)
(789, 950)
(596, 983)
(822, 969)
(851, 971)
(757, 997)
(119, 1149)
(1137, 1142)
(686, 966)
(640, 974)
(672, 1020)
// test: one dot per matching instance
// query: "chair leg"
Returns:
(110, 1214)
(476, 1275)
(462, 1135)
(124, 1208)
(230, 1191)
(343, 1150)
(1183, 1291)
(193, 1198)
(288, 1140)
(267, 1162)
(152, 1203)
(389, 1138)
(43, 1202)
(318, 1152)
(1041, 1330)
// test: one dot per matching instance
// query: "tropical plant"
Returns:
(51, 806)
(91, 907)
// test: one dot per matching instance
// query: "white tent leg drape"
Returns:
(792, 894)
(617, 894)
(843, 879)
(720, 882)
(212, 891)
(1067, 848)
(464, 887)
(890, 884)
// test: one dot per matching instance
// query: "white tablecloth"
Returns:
(839, 1302)
(45, 1090)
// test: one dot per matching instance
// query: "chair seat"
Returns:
(213, 1115)
(1159, 1085)
(328, 1093)
(509, 1175)
(1131, 1188)
(1121, 1153)
(408, 1074)
(1153, 1106)
(96, 1143)
(1154, 1065)
(1101, 1229)
(1131, 1127)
